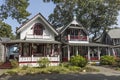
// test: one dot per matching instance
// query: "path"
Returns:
(106, 71)
(2, 71)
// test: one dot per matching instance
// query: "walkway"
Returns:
(106, 71)
(2, 71)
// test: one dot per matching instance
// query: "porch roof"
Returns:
(116, 46)
(89, 44)
(33, 41)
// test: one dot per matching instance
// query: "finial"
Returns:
(75, 17)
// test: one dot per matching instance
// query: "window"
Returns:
(38, 29)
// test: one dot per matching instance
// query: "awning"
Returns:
(33, 41)
(116, 46)
(89, 44)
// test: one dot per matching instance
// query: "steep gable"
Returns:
(73, 24)
(22, 27)
(28, 30)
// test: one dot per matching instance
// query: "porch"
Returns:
(29, 52)
(91, 51)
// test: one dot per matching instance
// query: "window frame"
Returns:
(38, 29)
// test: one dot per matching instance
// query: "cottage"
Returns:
(37, 39)
(112, 37)
(76, 41)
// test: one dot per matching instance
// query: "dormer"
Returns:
(74, 33)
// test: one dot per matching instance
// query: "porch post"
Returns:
(52, 49)
(68, 52)
(76, 50)
(98, 53)
(108, 51)
(88, 53)
(59, 50)
(5, 53)
(20, 51)
(32, 52)
(113, 52)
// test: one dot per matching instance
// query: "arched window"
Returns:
(38, 29)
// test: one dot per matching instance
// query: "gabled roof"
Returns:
(73, 24)
(114, 33)
(39, 15)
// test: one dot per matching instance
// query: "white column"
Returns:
(68, 37)
(32, 52)
(88, 53)
(109, 51)
(52, 49)
(76, 50)
(68, 52)
(98, 53)
(113, 52)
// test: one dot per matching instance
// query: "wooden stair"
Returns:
(6, 65)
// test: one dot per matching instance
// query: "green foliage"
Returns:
(11, 72)
(118, 62)
(64, 64)
(51, 69)
(57, 69)
(78, 61)
(5, 30)
(107, 60)
(24, 67)
(95, 15)
(16, 9)
(74, 68)
(44, 62)
(14, 63)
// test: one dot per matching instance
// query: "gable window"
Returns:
(38, 29)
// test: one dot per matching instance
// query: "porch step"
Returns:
(6, 65)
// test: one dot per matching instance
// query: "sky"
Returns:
(35, 7)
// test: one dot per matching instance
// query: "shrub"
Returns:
(64, 64)
(14, 63)
(74, 68)
(78, 61)
(44, 62)
(107, 60)
(24, 67)
(118, 62)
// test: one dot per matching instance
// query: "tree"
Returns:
(95, 15)
(5, 30)
(16, 9)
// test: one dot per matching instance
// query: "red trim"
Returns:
(94, 58)
(65, 59)
(82, 38)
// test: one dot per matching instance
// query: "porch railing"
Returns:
(31, 36)
(76, 38)
(80, 38)
(33, 59)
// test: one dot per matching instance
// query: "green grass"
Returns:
(48, 70)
